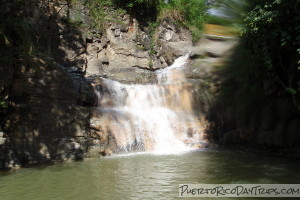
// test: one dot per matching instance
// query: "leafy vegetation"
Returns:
(103, 11)
(189, 13)
(270, 50)
(276, 52)
(3, 104)
(144, 10)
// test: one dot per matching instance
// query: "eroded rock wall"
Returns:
(51, 101)
(48, 98)
(127, 53)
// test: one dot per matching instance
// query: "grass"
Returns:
(187, 13)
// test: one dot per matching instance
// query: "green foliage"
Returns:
(266, 63)
(292, 91)
(3, 103)
(152, 29)
(104, 11)
(150, 64)
(194, 12)
(196, 34)
(98, 11)
(190, 13)
(144, 10)
(272, 39)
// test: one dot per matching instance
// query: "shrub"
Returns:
(144, 10)
(270, 47)
(271, 32)
(190, 13)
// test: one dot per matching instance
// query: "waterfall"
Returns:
(151, 117)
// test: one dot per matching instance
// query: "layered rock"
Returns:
(52, 112)
(118, 58)
(129, 54)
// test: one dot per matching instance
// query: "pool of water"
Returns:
(144, 176)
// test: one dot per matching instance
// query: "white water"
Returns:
(164, 76)
(154, 118)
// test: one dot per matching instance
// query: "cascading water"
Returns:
(151, 117)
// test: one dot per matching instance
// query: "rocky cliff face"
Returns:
(51, 112)
(195, 85)
(50, 99)
(124, 51)
(48, 115)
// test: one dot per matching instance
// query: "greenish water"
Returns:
(144, 176)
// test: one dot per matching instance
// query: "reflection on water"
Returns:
(144, 176)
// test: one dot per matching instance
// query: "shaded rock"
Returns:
(47, 101)
(8, 158)
(269, 116)
(70, 148)
(204, 145)
(292, 136)
(85, 91)
(45, 107)
(232, 137)
(2, 138)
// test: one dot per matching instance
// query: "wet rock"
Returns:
(106, 152)
(205, 145)
(172, 50)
